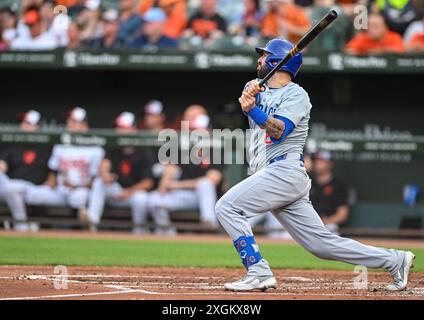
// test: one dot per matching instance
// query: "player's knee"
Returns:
(221, 208)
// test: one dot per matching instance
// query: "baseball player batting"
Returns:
(279, 115)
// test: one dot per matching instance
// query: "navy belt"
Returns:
(284, 157)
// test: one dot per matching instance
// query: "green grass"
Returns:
(96, 252)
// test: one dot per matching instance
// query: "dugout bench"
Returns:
(113, 219)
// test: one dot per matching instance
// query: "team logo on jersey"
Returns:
(268, 110)
(328, 191)
(125, 167)
(268, 139)
(29, 157)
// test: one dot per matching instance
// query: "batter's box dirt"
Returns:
(35, 282)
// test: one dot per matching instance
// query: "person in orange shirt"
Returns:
(269, 27)
(66, 3)
(377, 39)
(285, 19)
(175, 11)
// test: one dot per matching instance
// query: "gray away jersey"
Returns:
(291, 102)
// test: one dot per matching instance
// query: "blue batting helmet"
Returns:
(278, 48)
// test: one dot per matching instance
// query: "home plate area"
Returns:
(40, 282)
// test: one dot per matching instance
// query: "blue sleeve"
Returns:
(289, 126)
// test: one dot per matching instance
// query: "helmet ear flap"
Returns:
(272, 61)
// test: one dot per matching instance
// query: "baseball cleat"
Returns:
(400, 280)
(248, 283)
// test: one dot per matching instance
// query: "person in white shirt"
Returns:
(73, 169)
(56, 23)
(38, 38)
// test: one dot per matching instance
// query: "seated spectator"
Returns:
(109, 39)
(124, 179)
(335, 36)
(416, 27)
(88, 19)
(176, 15)
(152, 37)
(206, 22)
(56, 25)
(21, 169)
(188, 186)
(74, 36)
(270, 27)
(398, 14)
(72, 170)
(233, 12)
(416, 44)
(3, 44)
(129, 22)
(38, 39)
(8, 25)
(285, 19)
(154, 116)
(252, 18)
(376, 40)
(76, 6)
(328, 195)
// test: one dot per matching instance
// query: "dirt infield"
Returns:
(38, 282)
(32, 283)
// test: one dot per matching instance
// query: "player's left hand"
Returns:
(247, 102)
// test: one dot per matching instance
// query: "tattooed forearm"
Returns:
(274, 127)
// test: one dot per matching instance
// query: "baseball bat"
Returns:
(302, 43)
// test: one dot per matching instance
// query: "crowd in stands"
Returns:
(389, 25)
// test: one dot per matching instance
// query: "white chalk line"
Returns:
(136, 288)
(108, 276)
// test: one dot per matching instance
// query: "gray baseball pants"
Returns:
(283, 188)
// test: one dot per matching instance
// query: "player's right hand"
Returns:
(247, 102)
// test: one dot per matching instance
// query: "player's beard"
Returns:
(262, 71)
